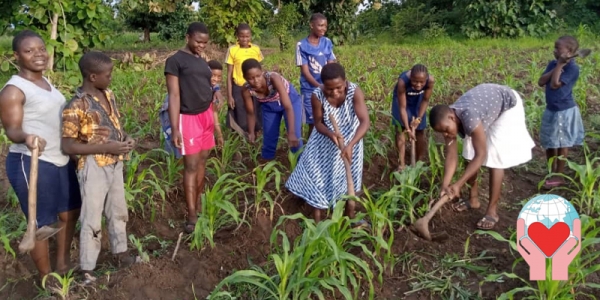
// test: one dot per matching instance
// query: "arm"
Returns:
(285, 102)
(71, 146)
(555, 82)
(331, 57)
(11, 114)
(302, 62)
(218, 131)
(360, 107)
(230, 83)
(174, 101)
(317, 108)
(306, 72)
(545, 76)
(425, 102)
(451, 161)
(401, 92)
(479, 140)
(251, 116)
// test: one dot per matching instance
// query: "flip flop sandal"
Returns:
(189, 228)
(361, 224)
(461, 203)
(549, 184)
(489, 219)
(88, 278)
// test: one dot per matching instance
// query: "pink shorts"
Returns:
(197, 132)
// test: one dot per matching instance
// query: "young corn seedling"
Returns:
(382, 225)
(583, 265)
(12, 227)
(217, 210)
(263, 175)
(294, 157)
(408, 195)
(139, 245)
(319, 261)
(65, 284)
(587, 185)
(219, 165)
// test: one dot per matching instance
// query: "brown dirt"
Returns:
(162, 278)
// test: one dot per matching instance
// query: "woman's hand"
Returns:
(29, 142)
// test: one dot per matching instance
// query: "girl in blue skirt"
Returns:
(562, 125)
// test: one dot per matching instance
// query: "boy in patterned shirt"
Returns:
(91, 130)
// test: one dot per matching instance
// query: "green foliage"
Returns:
(286, 18)
(412, 19)
(80, 25)
(169, 24)
(509, 18)
(320, 260)
(222, 17)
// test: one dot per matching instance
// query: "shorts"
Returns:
(307, 116)
(562, 129)
(197, 132)
(57, 187)
(508, 141)
(411, 111)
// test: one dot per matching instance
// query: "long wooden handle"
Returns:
(28, 242)
(341, 144)
(413, 158)
(436, 207)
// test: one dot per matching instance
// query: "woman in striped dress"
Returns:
(319, 177)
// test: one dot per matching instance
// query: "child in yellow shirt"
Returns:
(236, 55)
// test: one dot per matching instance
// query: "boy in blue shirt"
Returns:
(562, 125)
(312, 54)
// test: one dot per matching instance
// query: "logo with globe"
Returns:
(548, 227)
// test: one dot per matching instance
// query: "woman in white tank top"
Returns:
(31, 107)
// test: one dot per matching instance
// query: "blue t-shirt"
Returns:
(413, 97)
(562, 98)
(315, 57)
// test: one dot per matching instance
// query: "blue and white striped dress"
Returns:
(320, 176)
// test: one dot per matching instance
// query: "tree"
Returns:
(286, 18)
(68, 26)
(168, 20)
(223, 16)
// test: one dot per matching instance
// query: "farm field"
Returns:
(250, 216)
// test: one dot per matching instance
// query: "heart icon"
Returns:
(548, 240)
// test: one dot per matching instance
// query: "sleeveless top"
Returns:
(41, 116)
(413, 97)
(273, 94)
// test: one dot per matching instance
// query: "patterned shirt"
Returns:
(315, 57)
(273, 93)
(483, 104)
(88, 121)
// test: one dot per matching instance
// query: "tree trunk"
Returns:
(53, 36)
(146, 35)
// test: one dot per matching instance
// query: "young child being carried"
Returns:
(92, 131)
(562, 125)
(278, 98)
(236, 55)
(409, 105)
(319, 176)
(217, 75)
(312, 54)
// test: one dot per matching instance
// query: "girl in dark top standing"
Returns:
(190, 112)
(409, 105)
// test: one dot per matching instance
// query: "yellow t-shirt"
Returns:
(236, 55)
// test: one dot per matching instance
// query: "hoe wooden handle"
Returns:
(341, 144)
(28, 242)
(422, 224)
(413, 154)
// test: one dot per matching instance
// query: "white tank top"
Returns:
(42, 116)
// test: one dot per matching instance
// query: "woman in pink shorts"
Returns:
(190, 112)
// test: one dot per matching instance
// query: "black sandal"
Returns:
(189, 227)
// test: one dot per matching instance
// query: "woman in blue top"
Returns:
(276, 96)
(411, 97)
